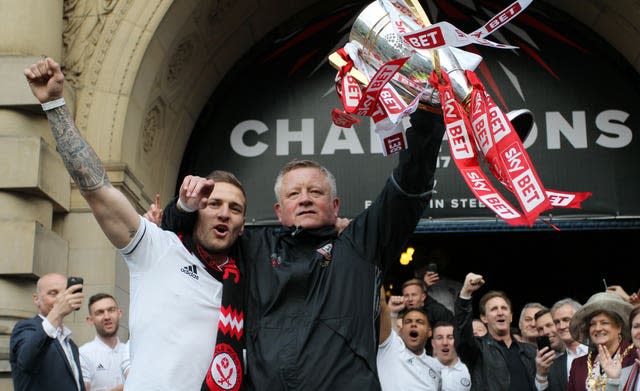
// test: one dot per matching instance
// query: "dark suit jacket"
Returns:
(557, 376)
(38, 362)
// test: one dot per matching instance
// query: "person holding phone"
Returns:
(551, 371)
(439, 286)
(42, 354)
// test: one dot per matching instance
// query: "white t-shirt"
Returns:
(174, 310)
(399, 369)
(455, 378)
(101, 364)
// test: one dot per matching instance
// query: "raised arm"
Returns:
(116, 216)
(416, 167)
(466, 344)
(385, 318)
(381, 231)
(178, 215)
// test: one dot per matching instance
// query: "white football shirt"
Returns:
(174, 310)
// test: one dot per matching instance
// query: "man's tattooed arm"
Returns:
(82, 162)
(116, 215)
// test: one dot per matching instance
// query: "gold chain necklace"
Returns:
(599, 382)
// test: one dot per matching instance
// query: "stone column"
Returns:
(34, 184)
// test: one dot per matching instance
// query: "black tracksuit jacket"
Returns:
(312, 296)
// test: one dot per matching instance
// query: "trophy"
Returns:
(374, 41)
(397, 62)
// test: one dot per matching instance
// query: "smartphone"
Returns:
(75, 281)
(432, 267)
(543, 341)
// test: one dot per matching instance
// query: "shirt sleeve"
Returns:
(87, 368)
(49, 329)
(125, 365)
(541, 386)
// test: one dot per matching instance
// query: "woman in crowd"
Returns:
(603, 320)
(628, 378)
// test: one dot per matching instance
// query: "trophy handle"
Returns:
(418, 11)
(522, 121)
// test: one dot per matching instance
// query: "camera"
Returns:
(75, 281)
(432, 267)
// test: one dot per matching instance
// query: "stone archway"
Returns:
(138, 73)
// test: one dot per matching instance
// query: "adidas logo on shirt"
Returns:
(100, 367)
(191, 271)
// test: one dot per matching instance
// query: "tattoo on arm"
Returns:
(82, 162)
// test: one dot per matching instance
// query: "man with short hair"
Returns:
(403, 363)
(181, 278)
(497, 361)
(310, 321)
(455, 374)
(42, 354)
(562, 312)
(527, 322)
(102, 358)
(550, 368)
(415, 295)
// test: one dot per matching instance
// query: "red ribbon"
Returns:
(482, 134)
(486, 131)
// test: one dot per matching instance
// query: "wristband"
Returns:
(46, 106)
(184, 208)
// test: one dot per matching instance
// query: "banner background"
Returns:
(275, 106)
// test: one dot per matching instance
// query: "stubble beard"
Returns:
(102, 333)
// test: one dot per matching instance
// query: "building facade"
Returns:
(138, 75)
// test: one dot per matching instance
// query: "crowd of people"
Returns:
(298, 306)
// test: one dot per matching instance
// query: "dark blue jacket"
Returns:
(38, 362)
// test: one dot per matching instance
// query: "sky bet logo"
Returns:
(191, 271)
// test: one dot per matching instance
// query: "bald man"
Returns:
(42, 354)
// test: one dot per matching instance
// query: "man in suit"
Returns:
(562, 312)
(42, 355)
(551, 361)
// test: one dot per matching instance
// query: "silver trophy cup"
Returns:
(377, 42)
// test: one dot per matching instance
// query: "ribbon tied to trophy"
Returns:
(397, 62)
